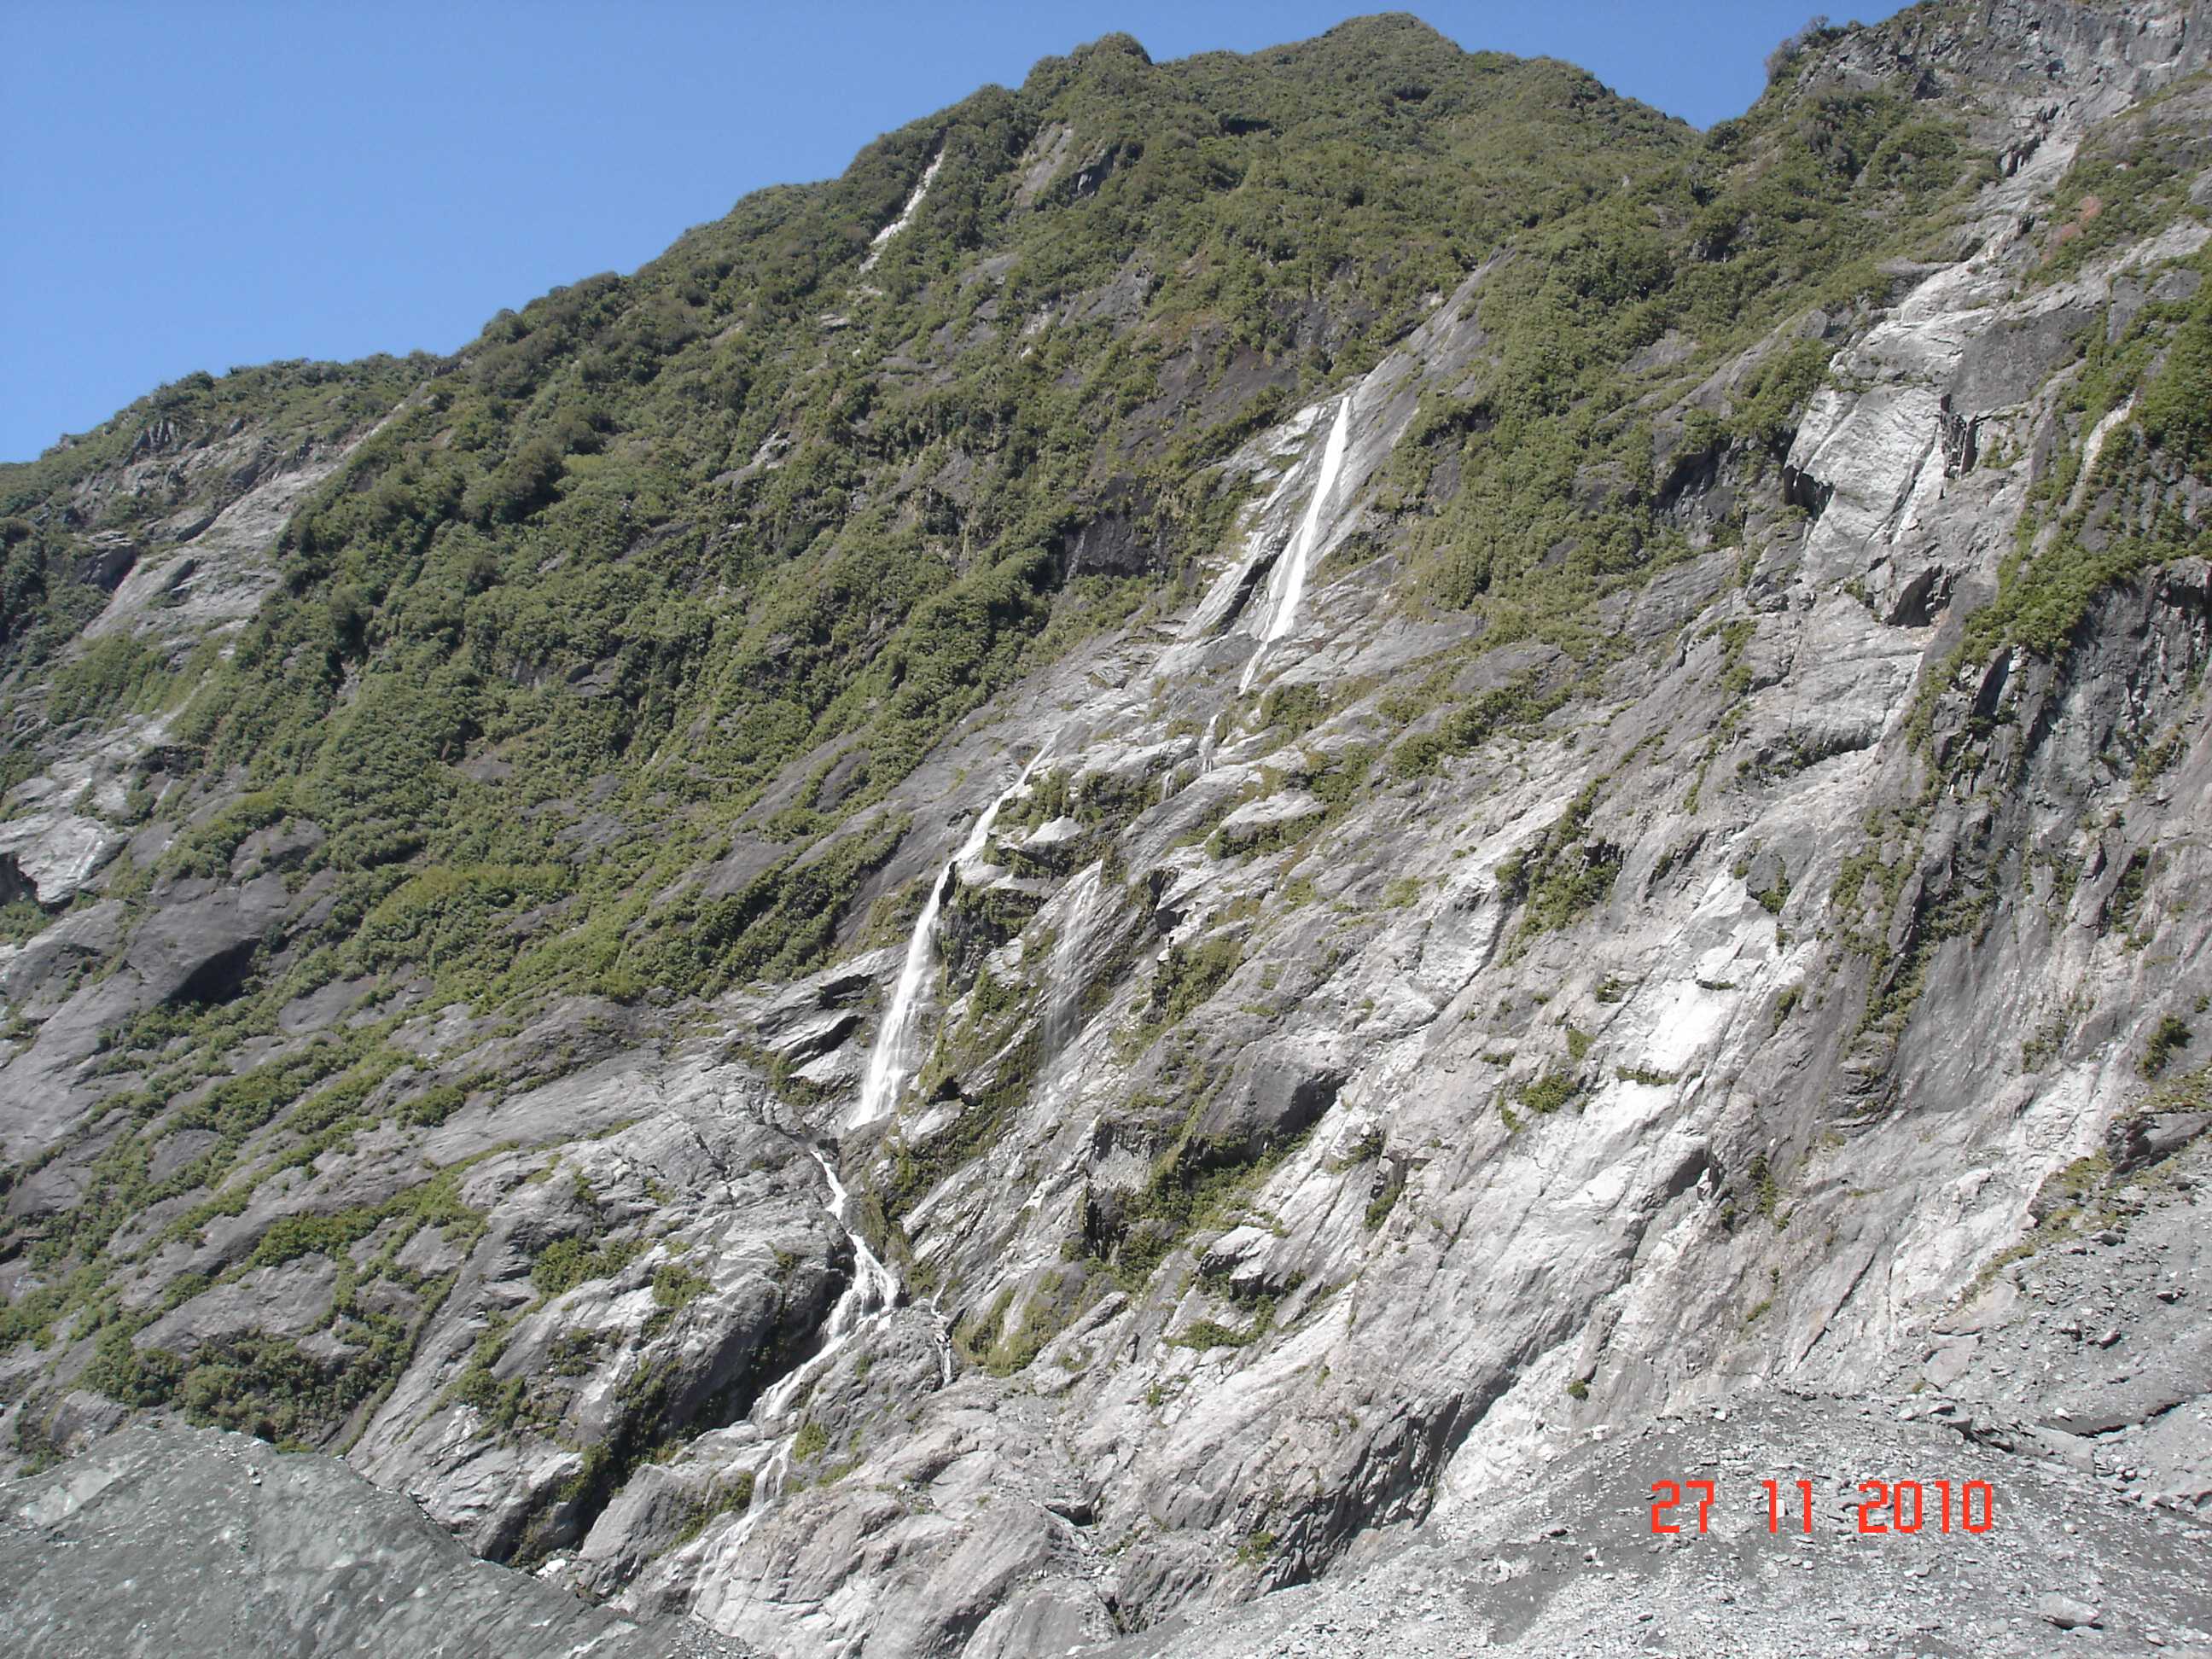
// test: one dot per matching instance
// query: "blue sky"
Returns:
(198, 186)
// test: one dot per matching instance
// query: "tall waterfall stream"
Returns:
(875, 1288)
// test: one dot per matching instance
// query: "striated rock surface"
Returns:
(1595, 884)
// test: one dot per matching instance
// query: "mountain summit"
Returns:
(1185, 874)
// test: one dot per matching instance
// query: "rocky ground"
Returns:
(176, 1541)
(1571, 1566)
(2098, 1540)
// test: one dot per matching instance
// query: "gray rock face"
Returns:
(706, 1260)
(168, 1542)
(1571, 1565)
(194, 950)
(201, 573)
(198, 950)
(1752, 1185)
(31, 974)
(1381, 1099)
(215, 568)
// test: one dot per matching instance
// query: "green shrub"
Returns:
(1203, 1333)
(675, 1285)
(567, 1262)
(1564, 873)
(1190, 975)
(1255, 1548)
(1766, 1190)
(2167, 1038)
(117, 673)
(1468, 728)
(1548, 1092)
(2175, 409)
(733, 1497)
(434, 1106)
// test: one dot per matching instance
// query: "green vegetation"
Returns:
(1293, 710)
(2159, 756)
(2129, 177)
(641, 546)
(1759, 1309)
(733, 1497)
(994, 1340)
(433, 1107)
(1469, 726)
(588, 677)
(1562, 874)
(259, 1385)
(2167, 1038)
(1256, 1547)
(2124, 902)
(1766, 1189)
(1189, 975)
(2076, 1199)
(2175, 419)
(567, 1262)
(1558, 485)
(1385, 1200)
(674, 1285)
(667, 533)
(1867, 901)
(2061, 566)
(1365, 1150)
(524, 563)
(2041, 1048)
(118, 673)
(52, 583)
(1547, 1092)
(1773, 899)
(1193, 1182)
(1205, 1333)
(779, 926)
(2190, 1092)
(917, 1168)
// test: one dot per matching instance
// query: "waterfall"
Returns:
(1212, 740)
(943, 1334)
(874, 1288)
(879, 1089)
(1291, 584)
(877, 243)
(1063, 1013)
(873, 1291)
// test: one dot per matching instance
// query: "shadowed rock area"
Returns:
(1171, 876)
(177, 1541)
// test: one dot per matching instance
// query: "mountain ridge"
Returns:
(1497, 772)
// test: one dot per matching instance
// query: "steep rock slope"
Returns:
(1227, 826)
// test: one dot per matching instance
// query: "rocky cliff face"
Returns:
(1616, 842)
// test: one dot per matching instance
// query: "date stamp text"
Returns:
(1884, 1506)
